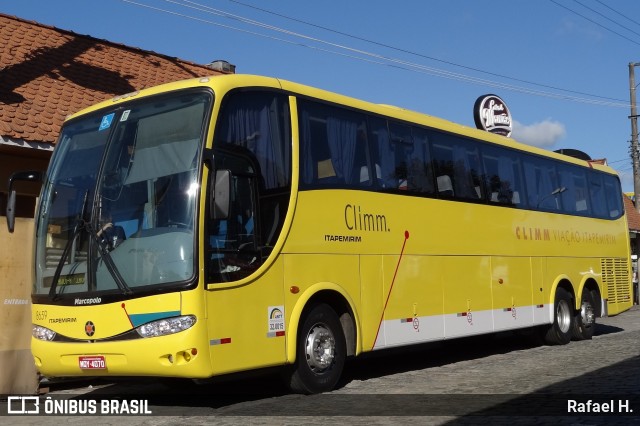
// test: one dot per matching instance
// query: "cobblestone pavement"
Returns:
(504, 379)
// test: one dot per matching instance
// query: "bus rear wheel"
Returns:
(559, 333)
(321, 352)
(584, 321)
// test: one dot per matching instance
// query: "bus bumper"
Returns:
(164, 356)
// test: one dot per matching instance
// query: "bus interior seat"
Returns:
(515, 198)
(581, 205)
(445, 187)
(364, 173)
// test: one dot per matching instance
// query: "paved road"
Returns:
(503, 379)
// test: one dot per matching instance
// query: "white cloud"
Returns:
(543, 134)
(572, 28)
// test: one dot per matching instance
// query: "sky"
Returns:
(561, 66)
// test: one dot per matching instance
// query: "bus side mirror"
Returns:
(30, 176)
(220, 195)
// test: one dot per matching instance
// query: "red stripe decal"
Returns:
(404, 243)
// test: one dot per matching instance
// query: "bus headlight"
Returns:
(43, 333)
(166, 326)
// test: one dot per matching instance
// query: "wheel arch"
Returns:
(334, 296)
(563, 282)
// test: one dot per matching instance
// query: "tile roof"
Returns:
(47, 73)
(633, 217)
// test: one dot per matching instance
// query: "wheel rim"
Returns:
(563, 315)
(320, 348)
(587, 314)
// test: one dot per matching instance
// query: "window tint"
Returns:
(384, 162)
(343, 148)
(575, 191)
(420, 166)
(457, 167)
(333, 147)
(614, 196)
(252, 142)
(503, 176)
(253, 123)
(597, 195)
(542, 183)
(402, 159)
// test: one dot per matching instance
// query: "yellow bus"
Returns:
(232, 223)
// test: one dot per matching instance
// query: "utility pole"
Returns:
(634, 135)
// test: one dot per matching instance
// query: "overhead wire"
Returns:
(367, 56)
(618, 161)
(413, 53)
(618, 13)
(594, 22)
(379, 59)
(606, 17)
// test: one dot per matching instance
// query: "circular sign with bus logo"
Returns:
(490, 113)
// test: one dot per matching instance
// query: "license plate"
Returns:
(95, 362)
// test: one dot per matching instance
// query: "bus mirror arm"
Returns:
(220, 195)
(29, 176)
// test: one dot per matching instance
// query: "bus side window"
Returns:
(613, 196)
(503, 176)
(457, 158)
(597, 195)
(574, 196)
(413, 170)
(333, 145)
(383, 157)
(543, 187)
(420, 166)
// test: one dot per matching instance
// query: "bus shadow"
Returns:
(429, 355)
(616, 387)
(602, 329)
(436, 354)
(168, 396)
(262, 388)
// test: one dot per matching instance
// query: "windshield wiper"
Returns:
(104, 252)
(108, 261)
(63, 257)
(67, 247)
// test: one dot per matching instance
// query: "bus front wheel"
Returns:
(584, 322)
(559, 333)
(321, 352)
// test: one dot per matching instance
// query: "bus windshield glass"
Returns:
(118, 206)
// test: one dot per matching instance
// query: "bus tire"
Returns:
(584, 321)
(559, 333)
(321, 352)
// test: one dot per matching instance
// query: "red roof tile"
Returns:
(48, 73)
(633, 217)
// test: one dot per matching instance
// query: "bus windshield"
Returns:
(118, 205)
